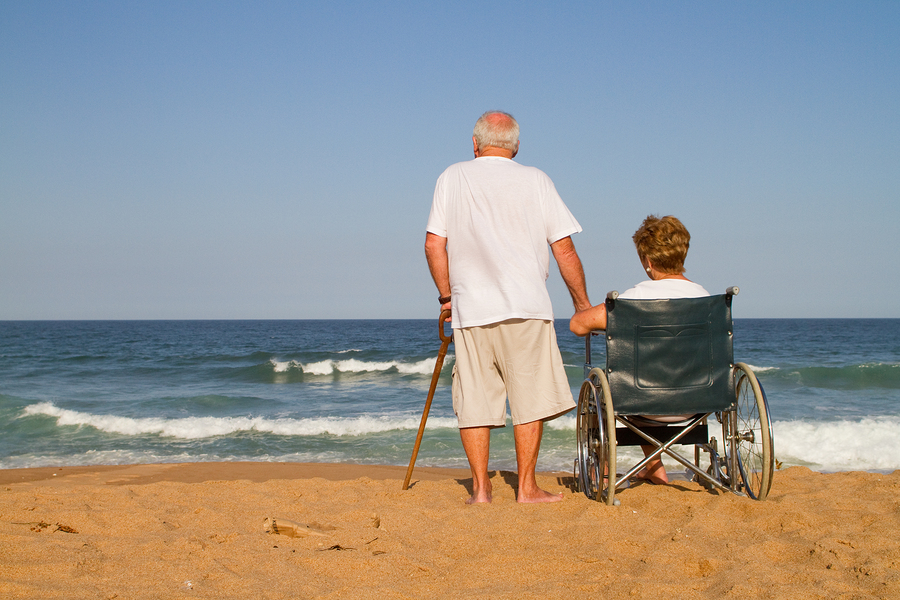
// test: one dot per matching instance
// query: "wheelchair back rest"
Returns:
(670, 357)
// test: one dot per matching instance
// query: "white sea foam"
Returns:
(758, 370)
(423, 367)
(283, 366)
(563, 423)
(864, 445)
(205, 427)
(352, 365)
(135, 457)
(103, 457)
(325, 367)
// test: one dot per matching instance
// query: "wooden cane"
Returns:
(445, 342)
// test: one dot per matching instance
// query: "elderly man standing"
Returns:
(487, 243)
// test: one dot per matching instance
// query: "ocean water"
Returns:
(119, 392)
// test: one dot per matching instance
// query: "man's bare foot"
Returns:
(478, 499)
(654, 472)
(480, 496)
(538, 496)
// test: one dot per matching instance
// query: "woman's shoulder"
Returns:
(662, 289)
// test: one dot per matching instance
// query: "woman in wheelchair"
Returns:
(662, 246)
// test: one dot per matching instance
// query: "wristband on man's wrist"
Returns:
(443, 299)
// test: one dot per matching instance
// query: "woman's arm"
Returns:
(586, 321)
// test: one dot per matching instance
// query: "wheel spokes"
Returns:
(752, 441)
(590, 442)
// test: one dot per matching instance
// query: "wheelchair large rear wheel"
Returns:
(596, 458)
(752, 434)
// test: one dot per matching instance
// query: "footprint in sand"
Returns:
(280, 526)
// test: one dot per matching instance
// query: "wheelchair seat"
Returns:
(672, 360)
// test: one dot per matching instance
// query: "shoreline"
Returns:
(199, 472)
(261, 471)
(239, 530)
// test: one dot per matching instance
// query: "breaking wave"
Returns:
(193, 428)
(352, 365)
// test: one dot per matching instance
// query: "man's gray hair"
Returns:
(497, 129)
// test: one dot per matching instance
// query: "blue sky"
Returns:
(277, 159)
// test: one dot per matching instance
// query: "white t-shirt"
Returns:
(498, 217)
(662, 289)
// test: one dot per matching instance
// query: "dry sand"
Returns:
(199, 531)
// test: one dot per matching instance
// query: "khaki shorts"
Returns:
(518, 359)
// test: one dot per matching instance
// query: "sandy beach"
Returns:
(271, 530)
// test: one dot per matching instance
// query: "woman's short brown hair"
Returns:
(664, 242)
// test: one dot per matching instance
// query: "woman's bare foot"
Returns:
(654, 472)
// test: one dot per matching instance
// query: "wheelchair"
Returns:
(669, 359)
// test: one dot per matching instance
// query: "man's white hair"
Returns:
(498, 129)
